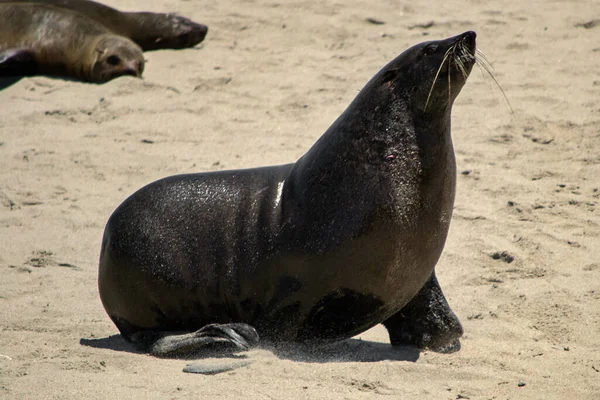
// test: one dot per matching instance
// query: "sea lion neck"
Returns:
(394, 154)
(379, 127)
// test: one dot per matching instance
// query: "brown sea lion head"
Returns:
(169, 31)
(185, 33)
(428, 77)
(115, 56)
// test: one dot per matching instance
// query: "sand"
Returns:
(267, 82)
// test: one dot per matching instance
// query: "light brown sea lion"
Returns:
(151, 31)
(312, 252)
(42, 39)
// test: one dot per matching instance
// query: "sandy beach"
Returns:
(521, 266)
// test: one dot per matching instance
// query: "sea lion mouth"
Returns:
(130, 72)
(184, 33)
(134, 70)
(459, 58)
(195, 34)
(463, 53)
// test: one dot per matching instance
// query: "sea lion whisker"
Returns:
(454, 48)
(461, 56)
(480, 70)
(454, 60)
(484, 62)
(465, 53)
(446, 54)
(462, 69)
(461, 66)
(482, 55)
(486, 68)
(450, 83)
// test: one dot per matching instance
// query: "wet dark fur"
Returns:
(311, 252)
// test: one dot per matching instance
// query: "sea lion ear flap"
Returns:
(99, 54)
(389, 75)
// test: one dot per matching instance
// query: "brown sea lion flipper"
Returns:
(427, 321)
(209, 340)
(17, 62)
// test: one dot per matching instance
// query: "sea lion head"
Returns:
(171, 31)
(427, 77)
(115, 56)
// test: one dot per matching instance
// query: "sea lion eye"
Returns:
(113, 60)
(429, 50)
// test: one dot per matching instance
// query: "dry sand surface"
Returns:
(269, 79)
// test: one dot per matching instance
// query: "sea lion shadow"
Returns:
(113, 342)
(351, 350)
(6, 82)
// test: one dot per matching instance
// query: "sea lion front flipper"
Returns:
(209, 340)
(427, 321)
(17, 62)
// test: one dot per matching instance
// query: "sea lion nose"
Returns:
(134, 68)
(196, 34)
(469, 38)
(131, 71)
(201, 31)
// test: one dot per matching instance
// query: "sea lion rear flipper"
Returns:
(17, 62)
(427, 321)
(209, 340)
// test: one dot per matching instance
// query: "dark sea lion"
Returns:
(151, 31)
(41, 39)
(311, 252)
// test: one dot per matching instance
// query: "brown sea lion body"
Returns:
(151, 31)
(42, 39)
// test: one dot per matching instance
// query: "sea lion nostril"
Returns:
(470, 34)
(469, 38)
